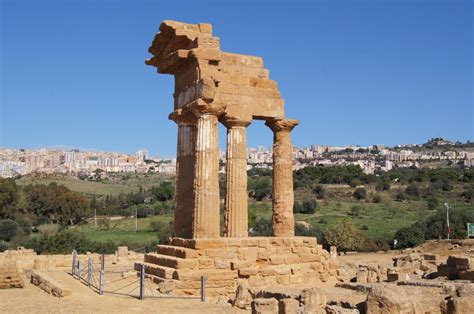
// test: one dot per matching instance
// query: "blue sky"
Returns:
(353, 72)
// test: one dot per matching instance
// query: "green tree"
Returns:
(345, 235)
(360, 193)
(57, 203)
(412, 191)
(355, 182)
(319, 191)
(260, 188)
(8, 197)
(432, 202)
(411, 236)
(377, 198)
(8, 229)
(309, 206)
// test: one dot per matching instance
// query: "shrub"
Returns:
(24, 223)
(355, 210)
(411, 236)
(49, 229)
(468, 195)
(344, 234)
(355, 182)
(432, 202)
(400, 196)
(412, 191)
(65, 241)
(309, 206)
(383, 186)
(377, 199)
(262, 227)
(3, 246)
(360, 193)
(163, 229)
(8, 229)
(319, 191)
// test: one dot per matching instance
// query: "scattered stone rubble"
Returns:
(457, 267)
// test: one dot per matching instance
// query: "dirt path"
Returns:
(31, 299)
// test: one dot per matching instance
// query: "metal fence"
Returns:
(93, 275)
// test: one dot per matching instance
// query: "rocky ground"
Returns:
(437, 277)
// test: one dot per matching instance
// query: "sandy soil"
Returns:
(31, 299)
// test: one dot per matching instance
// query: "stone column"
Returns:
(185, 160)
(283, 221)
(206, 219)
(236, 201)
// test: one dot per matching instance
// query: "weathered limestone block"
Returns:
(389, 299)
(50, 286)
(265, 306)
(461, 305)
(122, 252)
(9, 276)
(44, 263)
(289, 306)
(313, 297)
(334, 309)
(243, 297)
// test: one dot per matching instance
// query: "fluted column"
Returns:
(236, 201)
(283, 221)
(185, 160)
(206, 178)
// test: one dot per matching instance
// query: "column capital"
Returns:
(200, 108)
(281, 124)
(234, 121)
(181, 116)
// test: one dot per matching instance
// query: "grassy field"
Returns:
(376, 220)
(123, 231)
(124, 184)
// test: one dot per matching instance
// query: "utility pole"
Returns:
(95, 217)
(447, 219)
(136, 218)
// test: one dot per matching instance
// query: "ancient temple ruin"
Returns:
(211, 87)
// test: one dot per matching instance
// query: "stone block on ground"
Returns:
(265, 306)
(50, 286)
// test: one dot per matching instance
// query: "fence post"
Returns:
(101, 283)
(203, 289)
(102, 262)
(142, 282)
(89, 271)
(79, 266)
(74, 257)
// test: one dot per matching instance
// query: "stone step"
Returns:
(156, 270)
(171, 261)
(210, 274)
(176, 251)
(173, 284)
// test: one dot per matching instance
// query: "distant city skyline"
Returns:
(353, 72)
